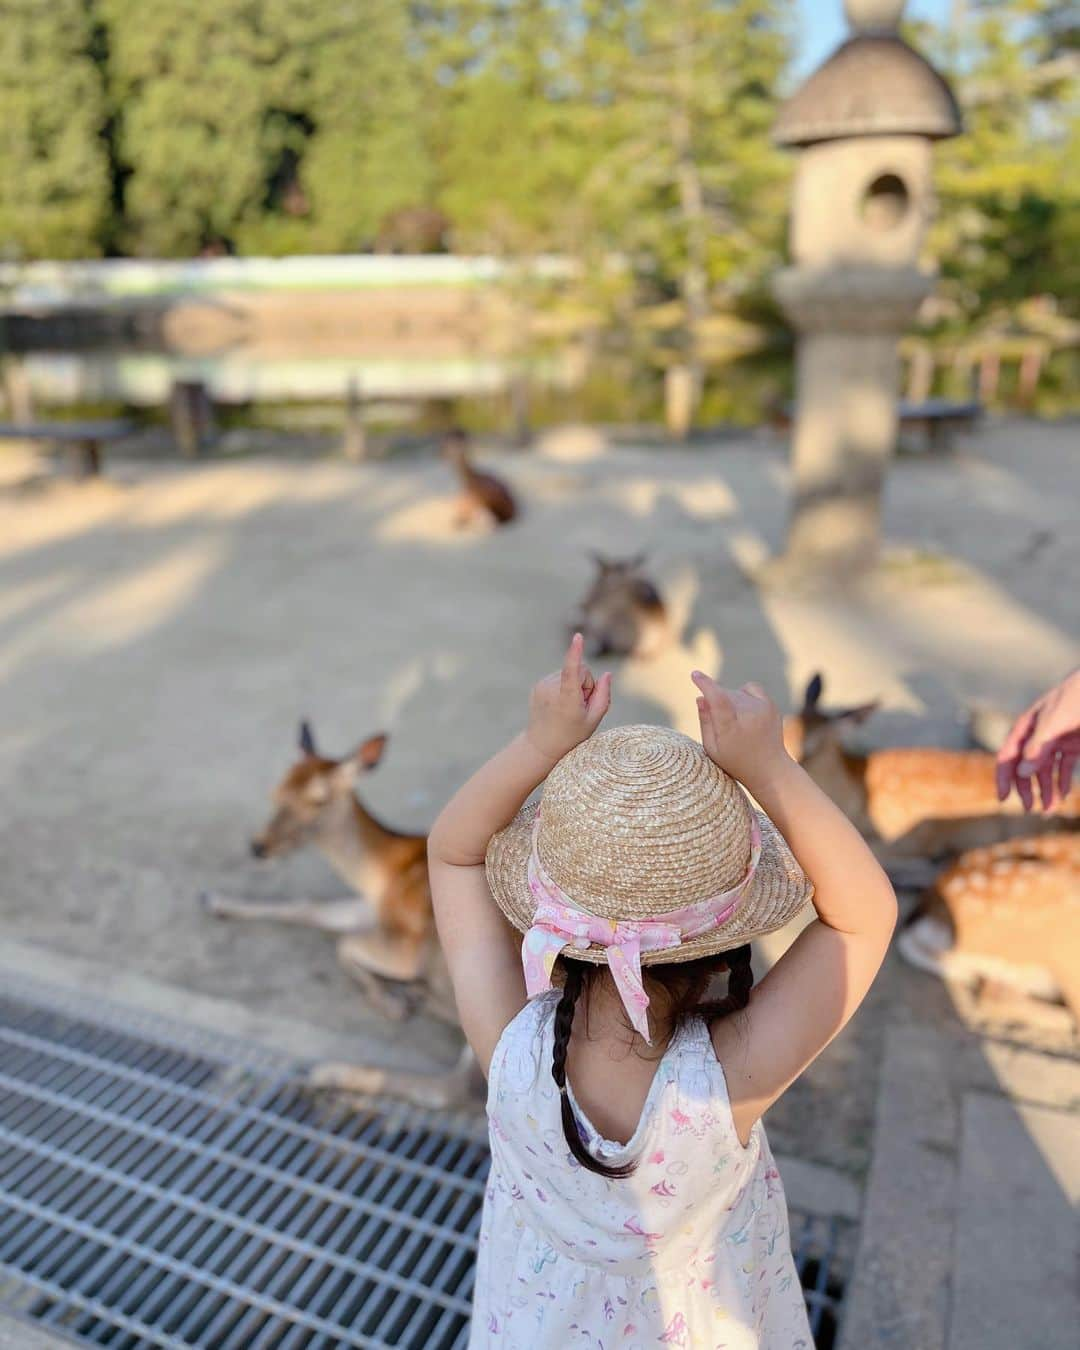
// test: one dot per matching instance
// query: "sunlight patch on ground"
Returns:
(873, 644)
(710, 499)
(413, 677)
(665, 680)
(231, 492)
(430, 520)
(128, 608)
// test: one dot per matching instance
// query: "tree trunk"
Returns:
(694, 282)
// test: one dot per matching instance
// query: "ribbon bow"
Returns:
(558, 923)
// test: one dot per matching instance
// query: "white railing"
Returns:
(112, 281)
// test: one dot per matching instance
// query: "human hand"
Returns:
(741, 729)
(566, 708)
(1044, 744)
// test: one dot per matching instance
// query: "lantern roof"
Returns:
(872, 85)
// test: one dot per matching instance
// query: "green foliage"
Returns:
(688, 87)
(1009, 219)
(54, 180)
(343, 126)
(632, 135)
(187, 88)
(630, 132)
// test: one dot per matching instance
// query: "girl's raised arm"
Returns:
(822, 978)
(482, 950)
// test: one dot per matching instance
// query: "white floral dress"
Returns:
(692, 1250)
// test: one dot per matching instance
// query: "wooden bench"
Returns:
(85, 438)
(936, 417)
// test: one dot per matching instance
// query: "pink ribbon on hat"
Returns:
(559, 923)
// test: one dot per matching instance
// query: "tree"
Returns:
(187, 84)
(343, 124)
(505, 120)
(272, 126)
(688, 186)
(54, 179)
(1009, 220)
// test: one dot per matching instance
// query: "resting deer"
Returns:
(622, 613)
(385, 929)
(483, 496)
(1009, 915)
(915, 801)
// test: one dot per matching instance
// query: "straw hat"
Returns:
(636, 822)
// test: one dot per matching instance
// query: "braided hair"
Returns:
(682, 986)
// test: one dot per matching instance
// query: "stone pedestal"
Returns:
(848, 372)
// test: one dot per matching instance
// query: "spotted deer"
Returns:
(385, 928)
(914, 801)
(483, 496)
(622, 613)
(1008, 914)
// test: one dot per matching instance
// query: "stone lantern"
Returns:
(863, 124)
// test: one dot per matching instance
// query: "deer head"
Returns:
(814, 730)
(311, 792)
(617, 567)
(615, 578)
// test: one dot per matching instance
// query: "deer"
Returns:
(385, 928)
(1005, 915)
(483, 496)
(622, 613)
(911, 801)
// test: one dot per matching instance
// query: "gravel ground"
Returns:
(162, 631)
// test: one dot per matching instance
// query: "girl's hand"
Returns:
(566, 708)
(741, 730)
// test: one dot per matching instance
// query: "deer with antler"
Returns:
(385, 928)
(909, 801)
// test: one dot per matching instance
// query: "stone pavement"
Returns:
(18, 1335)
(970, 1237)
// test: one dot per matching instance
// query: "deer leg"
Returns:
(391, 999)
(390, 956)
(928, 944)
(390, 968)
(351, 914)
(435, 1091)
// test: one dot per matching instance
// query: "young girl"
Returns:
(633, 1200)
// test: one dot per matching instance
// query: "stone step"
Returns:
(1016, 1247)
(968, 1135)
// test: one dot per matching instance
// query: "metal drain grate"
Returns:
(162, 1187)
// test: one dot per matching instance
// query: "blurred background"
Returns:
(595, 191)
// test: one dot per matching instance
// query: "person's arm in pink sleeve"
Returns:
(1044, 744)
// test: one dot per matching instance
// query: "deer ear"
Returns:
(371, 751)
(306, 739)
(813, 693)
(598, 559)
(364, 757)
(861, 712)
(638, 560)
